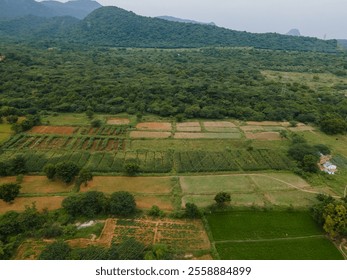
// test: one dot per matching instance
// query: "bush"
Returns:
(122, 203)
(155, 211)
(192, 211)
(131, 168)
(58, 250)
(50, 171)
(9, 191)
(66, 171)
(222, 197)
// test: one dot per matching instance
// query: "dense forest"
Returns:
(205, 82)
(115, 27)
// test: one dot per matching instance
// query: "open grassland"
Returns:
(269, 236)
(258, 189)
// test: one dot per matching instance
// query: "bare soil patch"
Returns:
(49, 202)
(263, 136)
(118, 121)
(139, 185)
(188, 126)
(149, 134)
(154, 126)
(219, 124)
(188, 135)
(302, 128)
(146, 202)
(63, 130)
(269, 123)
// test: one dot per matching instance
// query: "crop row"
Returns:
(48, 142)
(156, 161)
(107, 130)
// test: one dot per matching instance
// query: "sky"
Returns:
(316, 18)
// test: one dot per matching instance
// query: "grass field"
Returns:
(269, 235)
(41, 203)
(259, 189)
(38, 185)
(5, 132)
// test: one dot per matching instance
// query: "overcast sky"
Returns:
(317, 18)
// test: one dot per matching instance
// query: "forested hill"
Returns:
(116, 27)
(112, 26)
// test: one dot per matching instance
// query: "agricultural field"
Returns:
(182, 236)
(254, 235)
(263, 189)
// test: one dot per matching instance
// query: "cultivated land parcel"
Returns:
(177, 170)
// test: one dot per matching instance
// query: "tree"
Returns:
(58, 250)
(87, 204)
(155, 211)
(131, 168)
(130, 249)
(66, 171)
(85, 176)
(159, 252)
(12, 119)
(9, 191)
(90, 114)
(17, 165)
(192, 211)
(50, 171)
(310, 164)
(122, 203)
(222, 198)
(333, 125)
(96, 123)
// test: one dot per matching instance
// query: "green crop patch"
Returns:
(312, 248)
(270, 235)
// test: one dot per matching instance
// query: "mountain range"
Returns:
(115, 27)
(19, 8)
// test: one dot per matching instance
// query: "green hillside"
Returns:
(112, 26)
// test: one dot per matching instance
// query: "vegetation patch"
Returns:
(263, 136)
(269, 235)
(64, 130)
(162, 126)
(149, 134)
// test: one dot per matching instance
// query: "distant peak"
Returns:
(293, 32)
